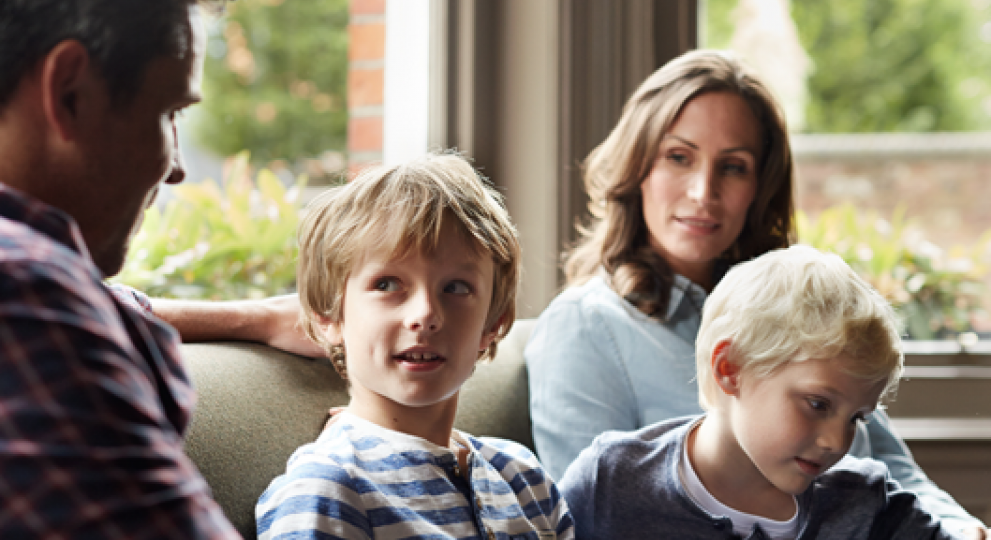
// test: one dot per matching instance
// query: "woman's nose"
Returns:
(702, 186)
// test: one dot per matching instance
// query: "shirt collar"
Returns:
(680, 289)
(43, 218)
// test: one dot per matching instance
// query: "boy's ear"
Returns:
(489, 335)
(333, 331)
(724, 370)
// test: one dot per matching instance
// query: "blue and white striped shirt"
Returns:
(360, 480)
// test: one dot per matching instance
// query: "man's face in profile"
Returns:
(131, 149)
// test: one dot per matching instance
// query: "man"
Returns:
(93, 400)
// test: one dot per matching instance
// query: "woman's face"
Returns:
(696, 197)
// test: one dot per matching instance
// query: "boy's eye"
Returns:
(457, 287)
(860, 418)
(818, 404)
(386, 285)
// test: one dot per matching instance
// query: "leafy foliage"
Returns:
(275, 80)
(936, 296)
(226, 242)
(887, 65)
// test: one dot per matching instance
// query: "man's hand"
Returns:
(273, 321)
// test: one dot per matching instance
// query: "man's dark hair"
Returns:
(122, 37)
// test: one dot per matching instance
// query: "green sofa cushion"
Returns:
(257, 405)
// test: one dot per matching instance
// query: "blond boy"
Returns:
(407, 276)
(795, 350)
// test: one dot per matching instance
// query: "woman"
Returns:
(695, 177)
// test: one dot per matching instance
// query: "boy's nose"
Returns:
(836, 437)
(423, 315)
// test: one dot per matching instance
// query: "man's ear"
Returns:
(67, 85)
(725, 371)
(489, 335)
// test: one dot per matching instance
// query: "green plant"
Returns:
(275, 82)
(215, 242)
(886, 65)
(936, 296)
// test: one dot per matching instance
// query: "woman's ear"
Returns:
(725, 371)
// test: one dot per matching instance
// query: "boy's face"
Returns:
(799, 421)
(413, 327)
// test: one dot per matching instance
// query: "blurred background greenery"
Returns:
(275, 87)
(937, 294)
(229, 241)
(886, 65)
(275, 84)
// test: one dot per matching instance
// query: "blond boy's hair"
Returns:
(400, 210)
(793, 305)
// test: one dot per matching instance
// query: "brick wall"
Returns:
(942, 180)
(366, 55)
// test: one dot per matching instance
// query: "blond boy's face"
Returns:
(799, 421)
(413, 327)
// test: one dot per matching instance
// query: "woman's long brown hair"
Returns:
(616, 239)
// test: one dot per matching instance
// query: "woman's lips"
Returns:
(698, 224)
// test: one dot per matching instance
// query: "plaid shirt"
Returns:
(93, 399)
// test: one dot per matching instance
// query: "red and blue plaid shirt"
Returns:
(93, 399)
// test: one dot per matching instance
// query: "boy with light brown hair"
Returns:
(407, 277)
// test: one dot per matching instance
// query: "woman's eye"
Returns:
(735, 169)
(386, 285)
(677, 158)
(457, 287)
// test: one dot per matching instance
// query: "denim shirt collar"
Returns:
(684, 290)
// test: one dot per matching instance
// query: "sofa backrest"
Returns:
(257, 405)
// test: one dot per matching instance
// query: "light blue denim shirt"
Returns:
(597, 363)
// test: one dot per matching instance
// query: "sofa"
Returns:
(257, 405)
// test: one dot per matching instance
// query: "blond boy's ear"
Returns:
(725, 371)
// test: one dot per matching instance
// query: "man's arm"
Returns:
(273, 321)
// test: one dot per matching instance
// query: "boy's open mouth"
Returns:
(808, 467)
(418, 357)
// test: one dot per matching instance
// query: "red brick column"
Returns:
(366, 60)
